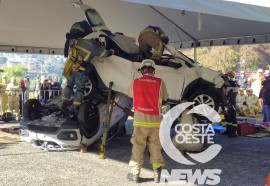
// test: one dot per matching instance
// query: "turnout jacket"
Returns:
(147, 92)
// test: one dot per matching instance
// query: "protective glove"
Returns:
(128, 112)
(165, 40)
(110, 52)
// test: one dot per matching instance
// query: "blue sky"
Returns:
(265, 3)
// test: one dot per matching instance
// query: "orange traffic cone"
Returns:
(268, 180)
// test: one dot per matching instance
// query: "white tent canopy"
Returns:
(39, 26)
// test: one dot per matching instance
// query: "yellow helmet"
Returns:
(231, 74)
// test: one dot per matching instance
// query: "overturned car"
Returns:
(47, 128)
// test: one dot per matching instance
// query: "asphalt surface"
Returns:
(244, 161)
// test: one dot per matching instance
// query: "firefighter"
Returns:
(230, 114)
(251, 106)
(14, 97)
(78, 65)
(153, 37)
(147, 93)
(4, 97)
(240, 99)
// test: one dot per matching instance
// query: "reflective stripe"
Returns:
(234, 125)
(156, 53)
(159, 50)
(64, 98)
(157, 165)
(147, 31)
(228, 123)
(88, 52)
(77, 27)
(146, 124)
(163, 35)
(76, 103)
(102, 53)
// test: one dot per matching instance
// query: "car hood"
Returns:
(210, 75)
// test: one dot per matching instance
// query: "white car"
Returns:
(185, 80)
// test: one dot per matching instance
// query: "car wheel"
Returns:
(204, 97)
(90, 87)
(31, 109)
(119, 129)
(88, 117)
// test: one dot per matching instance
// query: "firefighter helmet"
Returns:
(231, 74)
(147, 63)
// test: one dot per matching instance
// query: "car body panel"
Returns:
(36, 136)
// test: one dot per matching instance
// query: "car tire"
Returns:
(88, 117)
(204, 97)
(119, 129)
(31, 109)
(90, 87)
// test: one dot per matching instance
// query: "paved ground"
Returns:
(244, 161)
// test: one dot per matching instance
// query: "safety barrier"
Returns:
(8, 97)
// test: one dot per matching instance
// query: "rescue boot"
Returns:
(157, 173)
(64, 108)
(133, 177)
(228, 129)
(74, 113)
(233, 132)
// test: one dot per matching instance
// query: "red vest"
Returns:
(146, 95)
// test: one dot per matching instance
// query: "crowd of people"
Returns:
(253, 97)
(46, 89)
(16, 92)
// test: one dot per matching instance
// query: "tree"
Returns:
(254, 57)
(222, 58)
(16, 71)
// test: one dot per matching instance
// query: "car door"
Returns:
(174, 78)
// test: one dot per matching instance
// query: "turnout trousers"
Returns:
(142, 137)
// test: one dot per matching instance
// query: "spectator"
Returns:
(266, 74)
(56, 87)
(256, 82)
(240, 99)
(37, 87)
(251, 106)
(22, 95)
(4, 96)
(45, 91)
(27, 85)
(266, 100)
(13, 97)
(242, 81)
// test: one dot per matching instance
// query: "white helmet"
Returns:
(260, 70)
(148, 63)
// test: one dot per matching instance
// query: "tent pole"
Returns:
(195, 50)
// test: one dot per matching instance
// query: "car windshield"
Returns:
(186, 58)
(94, 18)
(182, 57)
